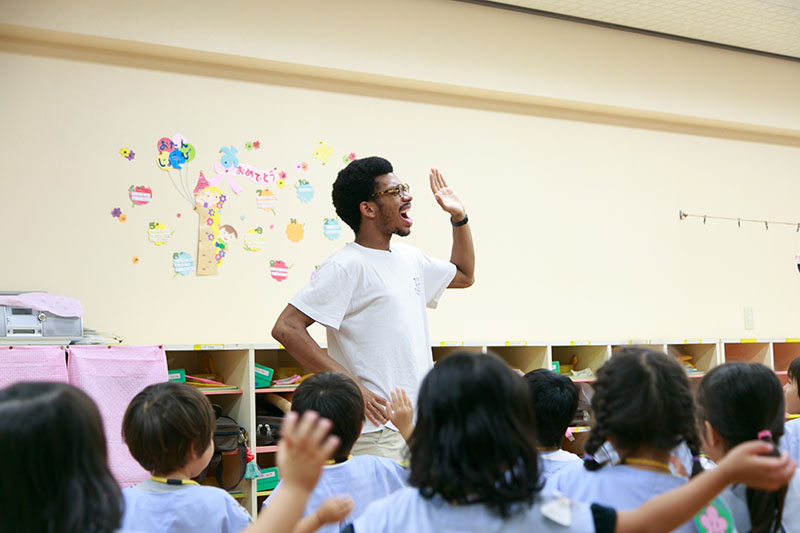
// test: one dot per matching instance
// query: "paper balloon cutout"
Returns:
(323, 152)
(178, 139)
(183, 263)
(158, 233)
(331, 228)
(176, 159)
(294, 230)
(229, 158)
(278, 270)
(266, 200)
(165, 144)
(162, 161)
(305, 191)
(254, 239)
(188, 151)
(140, 195)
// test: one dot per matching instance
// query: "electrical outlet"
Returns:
(748, 317)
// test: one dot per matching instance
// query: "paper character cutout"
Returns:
(140, 195)
(257, 144)
(323, 152)
(158, 233)
(176, 159)
(266, 200)
(229, 158)
(254, 239)
(116, 212)
(208, 204)
(165, 144)
(188, 151)
(294, 230)
(248, 146)
(226, 236)
(183, 263)
(714, 518)
(278, 270)
(331, 228)
(162, 161)
(305, 191)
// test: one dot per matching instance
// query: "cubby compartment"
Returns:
(658, 347)
(579, 357)
(747, 352)
(230, 366)
(524, 358)
(784, 352)
(445, 349)
(280, 361)
(697, 357)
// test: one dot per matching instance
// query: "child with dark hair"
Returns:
(474, 466)
(643, 405)
(169, 428)
(367, 478)
(55, 472)
(554, 398)
(739, 402)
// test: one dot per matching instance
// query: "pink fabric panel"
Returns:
(112, 376)
(32, 363)
(41, 301)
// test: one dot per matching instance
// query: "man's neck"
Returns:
(369, 239)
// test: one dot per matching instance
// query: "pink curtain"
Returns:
(112, 376)
(32, 363)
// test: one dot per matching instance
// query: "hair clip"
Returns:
(764, 433)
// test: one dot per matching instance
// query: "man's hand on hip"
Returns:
(374, 406)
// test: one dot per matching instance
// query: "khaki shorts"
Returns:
(383, 443)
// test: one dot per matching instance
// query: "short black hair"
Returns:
(165, 422)
(642, 396)
(55, 462)
(355, 184)
(794, 372)
(474, 440)
(554, 398)
(335, 397)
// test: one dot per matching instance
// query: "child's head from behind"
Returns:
(55, 471)
(474, 438)
(642, 398)
(737, 402)
(168, 427)
(792, 388)
(555, 400)
(336, 397)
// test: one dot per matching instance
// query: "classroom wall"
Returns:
(573, 146)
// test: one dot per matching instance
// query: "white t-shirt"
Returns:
(552, 462)
(365, 478)
(406, 510)
(157, 507)
(372, 303)
(621, 487)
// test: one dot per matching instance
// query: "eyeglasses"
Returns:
(400, 190)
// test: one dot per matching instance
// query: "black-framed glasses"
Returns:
(400, 190)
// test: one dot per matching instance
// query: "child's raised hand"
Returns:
(335, 509)
(401, 412)
(304, 448)
(747, 463)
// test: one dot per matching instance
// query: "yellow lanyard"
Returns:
(174, 481)
(337, 461)
(648, 462)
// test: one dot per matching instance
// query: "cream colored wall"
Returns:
(573, 146)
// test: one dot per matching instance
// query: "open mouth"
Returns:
(404, 213)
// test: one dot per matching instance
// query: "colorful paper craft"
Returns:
(323, 152)
(278, 270)
(140, 195)
(254, 239)
(158, 233)
(294, 230)
(305, 191)
(331, 228)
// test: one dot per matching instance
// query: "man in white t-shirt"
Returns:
(372, 294)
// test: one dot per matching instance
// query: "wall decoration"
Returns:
(182, 263)
(797, 260)
(314, 272)
(347, 158)
(302, 165)
(123, 217)
(135, 259)
(174, 155)
(278, 270)
(254, 239)
(127, 153)
(226, 236)
(256, 145)
(248, 146)
(305, 191)
(208, 203)
(116, 212)
(323, 152)
(140, 195)
(157, 233)
(266, 200)
(294, 230)
(331, 228)
(255, 175)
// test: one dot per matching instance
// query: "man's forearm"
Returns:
(463, 256)
(307, 352)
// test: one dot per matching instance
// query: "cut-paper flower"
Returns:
(256, 144)
(123, 217)
(116, 212)
(135, 260)
(280, 183)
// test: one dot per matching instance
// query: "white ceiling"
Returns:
(771, 26)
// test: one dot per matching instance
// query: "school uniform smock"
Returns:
(365, 478)
(406, 510)
(373, 306)
(620, 487)
(790, 442)
(154, 507)
(550, 463)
